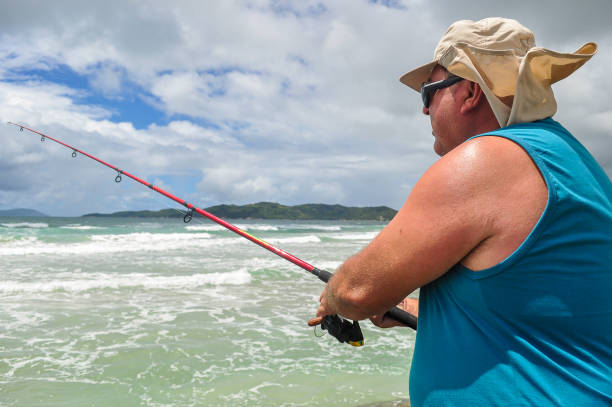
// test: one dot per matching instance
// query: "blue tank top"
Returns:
(536, 329)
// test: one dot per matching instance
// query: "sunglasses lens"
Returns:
(425, 95)
(428, 89)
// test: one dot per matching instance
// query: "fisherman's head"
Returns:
(499, 57)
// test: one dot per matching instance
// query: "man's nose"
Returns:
(425, 111)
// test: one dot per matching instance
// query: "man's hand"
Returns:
(322, 310)
(325, 307)
(410, 305)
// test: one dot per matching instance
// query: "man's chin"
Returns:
(438, 149)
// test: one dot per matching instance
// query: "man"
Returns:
(508, 235)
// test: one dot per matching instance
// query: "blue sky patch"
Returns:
(127, 105)
(182, 185)
(397, 4)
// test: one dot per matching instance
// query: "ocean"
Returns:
(156, 312)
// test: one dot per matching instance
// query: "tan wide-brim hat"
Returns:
(501, 56)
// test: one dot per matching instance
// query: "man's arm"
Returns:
(454, 208)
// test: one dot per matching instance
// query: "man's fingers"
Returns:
(383, 322)
(378, 320)
(315, 321)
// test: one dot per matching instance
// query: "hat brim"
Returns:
(416, 77)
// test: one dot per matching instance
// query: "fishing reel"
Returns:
(341, 329)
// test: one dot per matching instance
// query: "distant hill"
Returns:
(271, 210)
(22, 212)
(164, 213)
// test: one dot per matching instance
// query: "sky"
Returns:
(242, 101)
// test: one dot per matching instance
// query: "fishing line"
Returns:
(341, 329)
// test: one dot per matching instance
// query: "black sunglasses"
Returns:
(428, 89)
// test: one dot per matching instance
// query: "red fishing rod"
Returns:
(335, 325)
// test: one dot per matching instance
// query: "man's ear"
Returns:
(473, 96)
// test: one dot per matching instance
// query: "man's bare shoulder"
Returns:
(494, 186)
(482, 165)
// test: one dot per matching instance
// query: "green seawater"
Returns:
(155, 312)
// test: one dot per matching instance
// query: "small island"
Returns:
(22, 212)
(272, 210)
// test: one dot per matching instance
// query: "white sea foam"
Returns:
(167, 240)
(81, 227)
(97, 281)
(264, 228)
(100, 244)
(205, 228)
(154, 242)
(329, 265)
(354, 236)
(258, 227)
(216, 228)
(25, 225)
(295, 239)
(134, 242)
(317, 227)
(17, 243)
(22, 318)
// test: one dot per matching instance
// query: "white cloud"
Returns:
(289, 101)
(107, 80)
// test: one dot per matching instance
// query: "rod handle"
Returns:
(402, 316)
(323, 275)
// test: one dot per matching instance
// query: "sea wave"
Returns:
(205, 228)
(157, 242)
(295, 239)
(263, 228)
(216, 228)
(25, 225)
(97, 281)
(107, 243)
(266, 228)
(354, 236)
(81, 227)
(310, 227)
